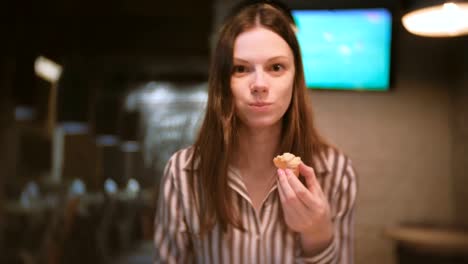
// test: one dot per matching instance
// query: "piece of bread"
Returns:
(288, 161)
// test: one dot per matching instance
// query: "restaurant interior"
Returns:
(95, 96)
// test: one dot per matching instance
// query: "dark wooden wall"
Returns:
(121, 34)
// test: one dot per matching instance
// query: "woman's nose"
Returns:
(259, 83)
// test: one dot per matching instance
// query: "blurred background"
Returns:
(96, 96)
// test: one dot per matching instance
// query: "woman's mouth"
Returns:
(260, 105)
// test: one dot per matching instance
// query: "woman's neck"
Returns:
(257, 148)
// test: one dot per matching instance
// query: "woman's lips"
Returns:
(259, 105)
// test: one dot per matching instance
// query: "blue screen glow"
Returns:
(345, 49)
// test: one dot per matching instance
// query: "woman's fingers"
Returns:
(292, 190)
(291, 205)
(301, 205)
(304, 195)
(288, 192)
(310, 177)
(289, 196)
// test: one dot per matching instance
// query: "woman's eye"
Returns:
(277, 67)
(239, 69)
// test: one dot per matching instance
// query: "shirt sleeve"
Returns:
(341, 250)
(171, 240)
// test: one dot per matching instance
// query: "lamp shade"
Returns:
(438, 19)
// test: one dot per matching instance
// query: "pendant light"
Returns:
(438, 19)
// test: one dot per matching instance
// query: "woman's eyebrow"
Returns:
(268, 60)
(278, 57)
(240, 60)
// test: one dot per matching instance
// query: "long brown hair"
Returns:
(213, 149)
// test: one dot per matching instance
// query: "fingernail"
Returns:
(289, 173)
(280, 173)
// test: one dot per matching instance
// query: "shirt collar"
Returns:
(236, 183)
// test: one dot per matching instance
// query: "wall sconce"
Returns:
(438, 18)
(47, 69)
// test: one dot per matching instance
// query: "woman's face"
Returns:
(262, 77)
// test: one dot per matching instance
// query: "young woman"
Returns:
(223, 200)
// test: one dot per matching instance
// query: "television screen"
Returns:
(346, 49)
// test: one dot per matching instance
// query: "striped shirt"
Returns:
(267, 239)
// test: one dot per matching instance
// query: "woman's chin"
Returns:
(263, 124)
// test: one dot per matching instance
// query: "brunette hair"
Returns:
(213, 148)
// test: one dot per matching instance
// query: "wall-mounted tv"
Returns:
(346, 49)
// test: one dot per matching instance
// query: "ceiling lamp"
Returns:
(446, 19)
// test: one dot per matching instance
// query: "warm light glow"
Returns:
(449, 19)
(47, 69)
